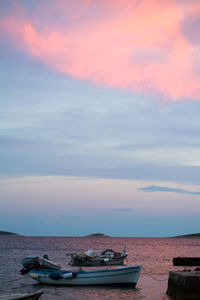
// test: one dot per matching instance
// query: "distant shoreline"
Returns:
(101, 235)
(97, 235)
(7, 233)
(194, 235)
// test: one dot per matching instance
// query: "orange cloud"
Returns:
(135, 45)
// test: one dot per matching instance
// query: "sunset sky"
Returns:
(100, 117)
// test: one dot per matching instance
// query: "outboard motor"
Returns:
(31, 263)
(38, 263)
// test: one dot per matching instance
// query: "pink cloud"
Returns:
(135, 45)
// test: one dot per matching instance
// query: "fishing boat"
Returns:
(120, 276)
(37, 263)
(22, 296)
(107, 257)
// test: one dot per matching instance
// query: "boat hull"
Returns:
(22, 296)
(124, 276)
(98, 261)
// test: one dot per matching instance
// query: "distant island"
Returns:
(194, 235)
(97, 235)
(7, 233)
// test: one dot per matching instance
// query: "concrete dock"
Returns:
(184, 285)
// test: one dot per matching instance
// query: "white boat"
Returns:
(125, 276)
(37, 263)
(20, 296)
(107, 257)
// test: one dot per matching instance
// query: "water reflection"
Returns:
(155, 254)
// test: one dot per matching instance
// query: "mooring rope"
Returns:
(11, 280)
(157, 279)
(150, 275)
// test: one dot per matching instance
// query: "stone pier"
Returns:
(186, 261)
(184, 285)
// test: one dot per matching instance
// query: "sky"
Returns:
(99, 117)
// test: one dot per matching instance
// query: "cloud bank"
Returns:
(154, 188)
(141, 46)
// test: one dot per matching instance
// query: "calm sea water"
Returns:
(155, 255)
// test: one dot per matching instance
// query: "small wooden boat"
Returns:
(22, 296)
(97, 258)
(121, 276)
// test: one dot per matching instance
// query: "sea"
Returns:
(155, 255)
